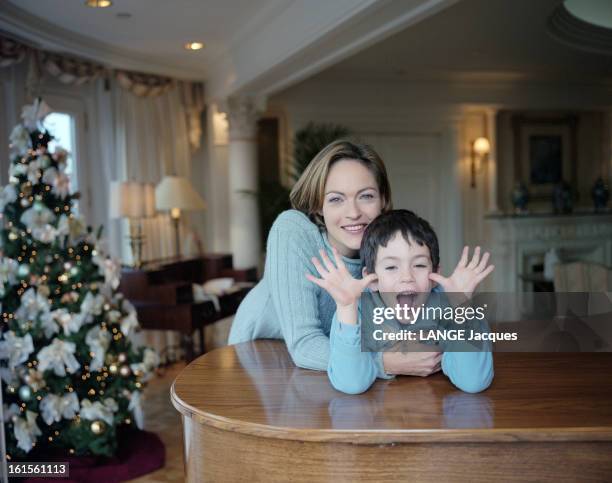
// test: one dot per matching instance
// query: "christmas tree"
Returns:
(71, 377)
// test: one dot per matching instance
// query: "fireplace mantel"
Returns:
(519, 243)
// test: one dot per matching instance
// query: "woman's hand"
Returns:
(467, 276)
(337, 280)
(416, 363)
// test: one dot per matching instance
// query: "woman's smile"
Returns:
(355, 229)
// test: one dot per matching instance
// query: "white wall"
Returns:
(423, 131)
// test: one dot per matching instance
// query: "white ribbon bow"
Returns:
(59, 356)
(26, 431)
(97, 410)
(54, 407)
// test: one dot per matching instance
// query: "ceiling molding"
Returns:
(576, 33)
(268, 12)
(47, 36)
(461, 77)
(368, 98)
(372, 26)
(350, 28)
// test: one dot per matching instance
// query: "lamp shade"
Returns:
(176, 192)
(482, 146)
(131, 199)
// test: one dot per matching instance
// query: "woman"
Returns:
(341, 191)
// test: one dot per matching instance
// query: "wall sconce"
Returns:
(479, 152)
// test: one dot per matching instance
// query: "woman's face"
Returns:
(352, 200)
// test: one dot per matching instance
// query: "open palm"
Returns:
(337, 280)
(467, 275)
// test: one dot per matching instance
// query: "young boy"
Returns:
(401, 257)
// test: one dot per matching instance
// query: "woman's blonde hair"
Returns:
(309, 191)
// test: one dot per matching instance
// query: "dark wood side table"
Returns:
(161, 292)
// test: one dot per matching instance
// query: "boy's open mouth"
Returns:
(406, 298)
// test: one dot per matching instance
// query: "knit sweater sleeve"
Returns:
(292, 243)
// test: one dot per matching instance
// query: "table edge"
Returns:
(391, 436)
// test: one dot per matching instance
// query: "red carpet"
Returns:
(140, 452)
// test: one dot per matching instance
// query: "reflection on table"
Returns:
(289, 423)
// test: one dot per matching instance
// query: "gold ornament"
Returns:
(26, 189)
(112, 368)
(35, 380)
(97, 427)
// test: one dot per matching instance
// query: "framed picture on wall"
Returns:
(545, 152)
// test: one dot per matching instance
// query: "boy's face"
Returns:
(403, 269)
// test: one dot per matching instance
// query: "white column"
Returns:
(217, 178)
(244, 213)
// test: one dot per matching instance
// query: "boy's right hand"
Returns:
(337, 280)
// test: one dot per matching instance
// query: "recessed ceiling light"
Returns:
(98, 3)
(194, 45)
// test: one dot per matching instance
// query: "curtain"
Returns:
(71, 71)
(11, 52)
(151, 140)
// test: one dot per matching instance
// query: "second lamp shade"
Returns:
(177, 192)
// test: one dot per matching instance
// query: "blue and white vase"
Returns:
(520, 198)
(562, 198)
(600, 194)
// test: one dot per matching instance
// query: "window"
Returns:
(61, 126)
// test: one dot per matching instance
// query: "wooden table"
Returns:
(250, 415)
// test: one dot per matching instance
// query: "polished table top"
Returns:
(255, 388)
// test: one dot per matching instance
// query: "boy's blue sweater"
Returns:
(352, 371)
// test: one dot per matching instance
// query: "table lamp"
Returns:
(173, 194)
(133, 200)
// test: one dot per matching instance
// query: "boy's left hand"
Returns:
(466, 276)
